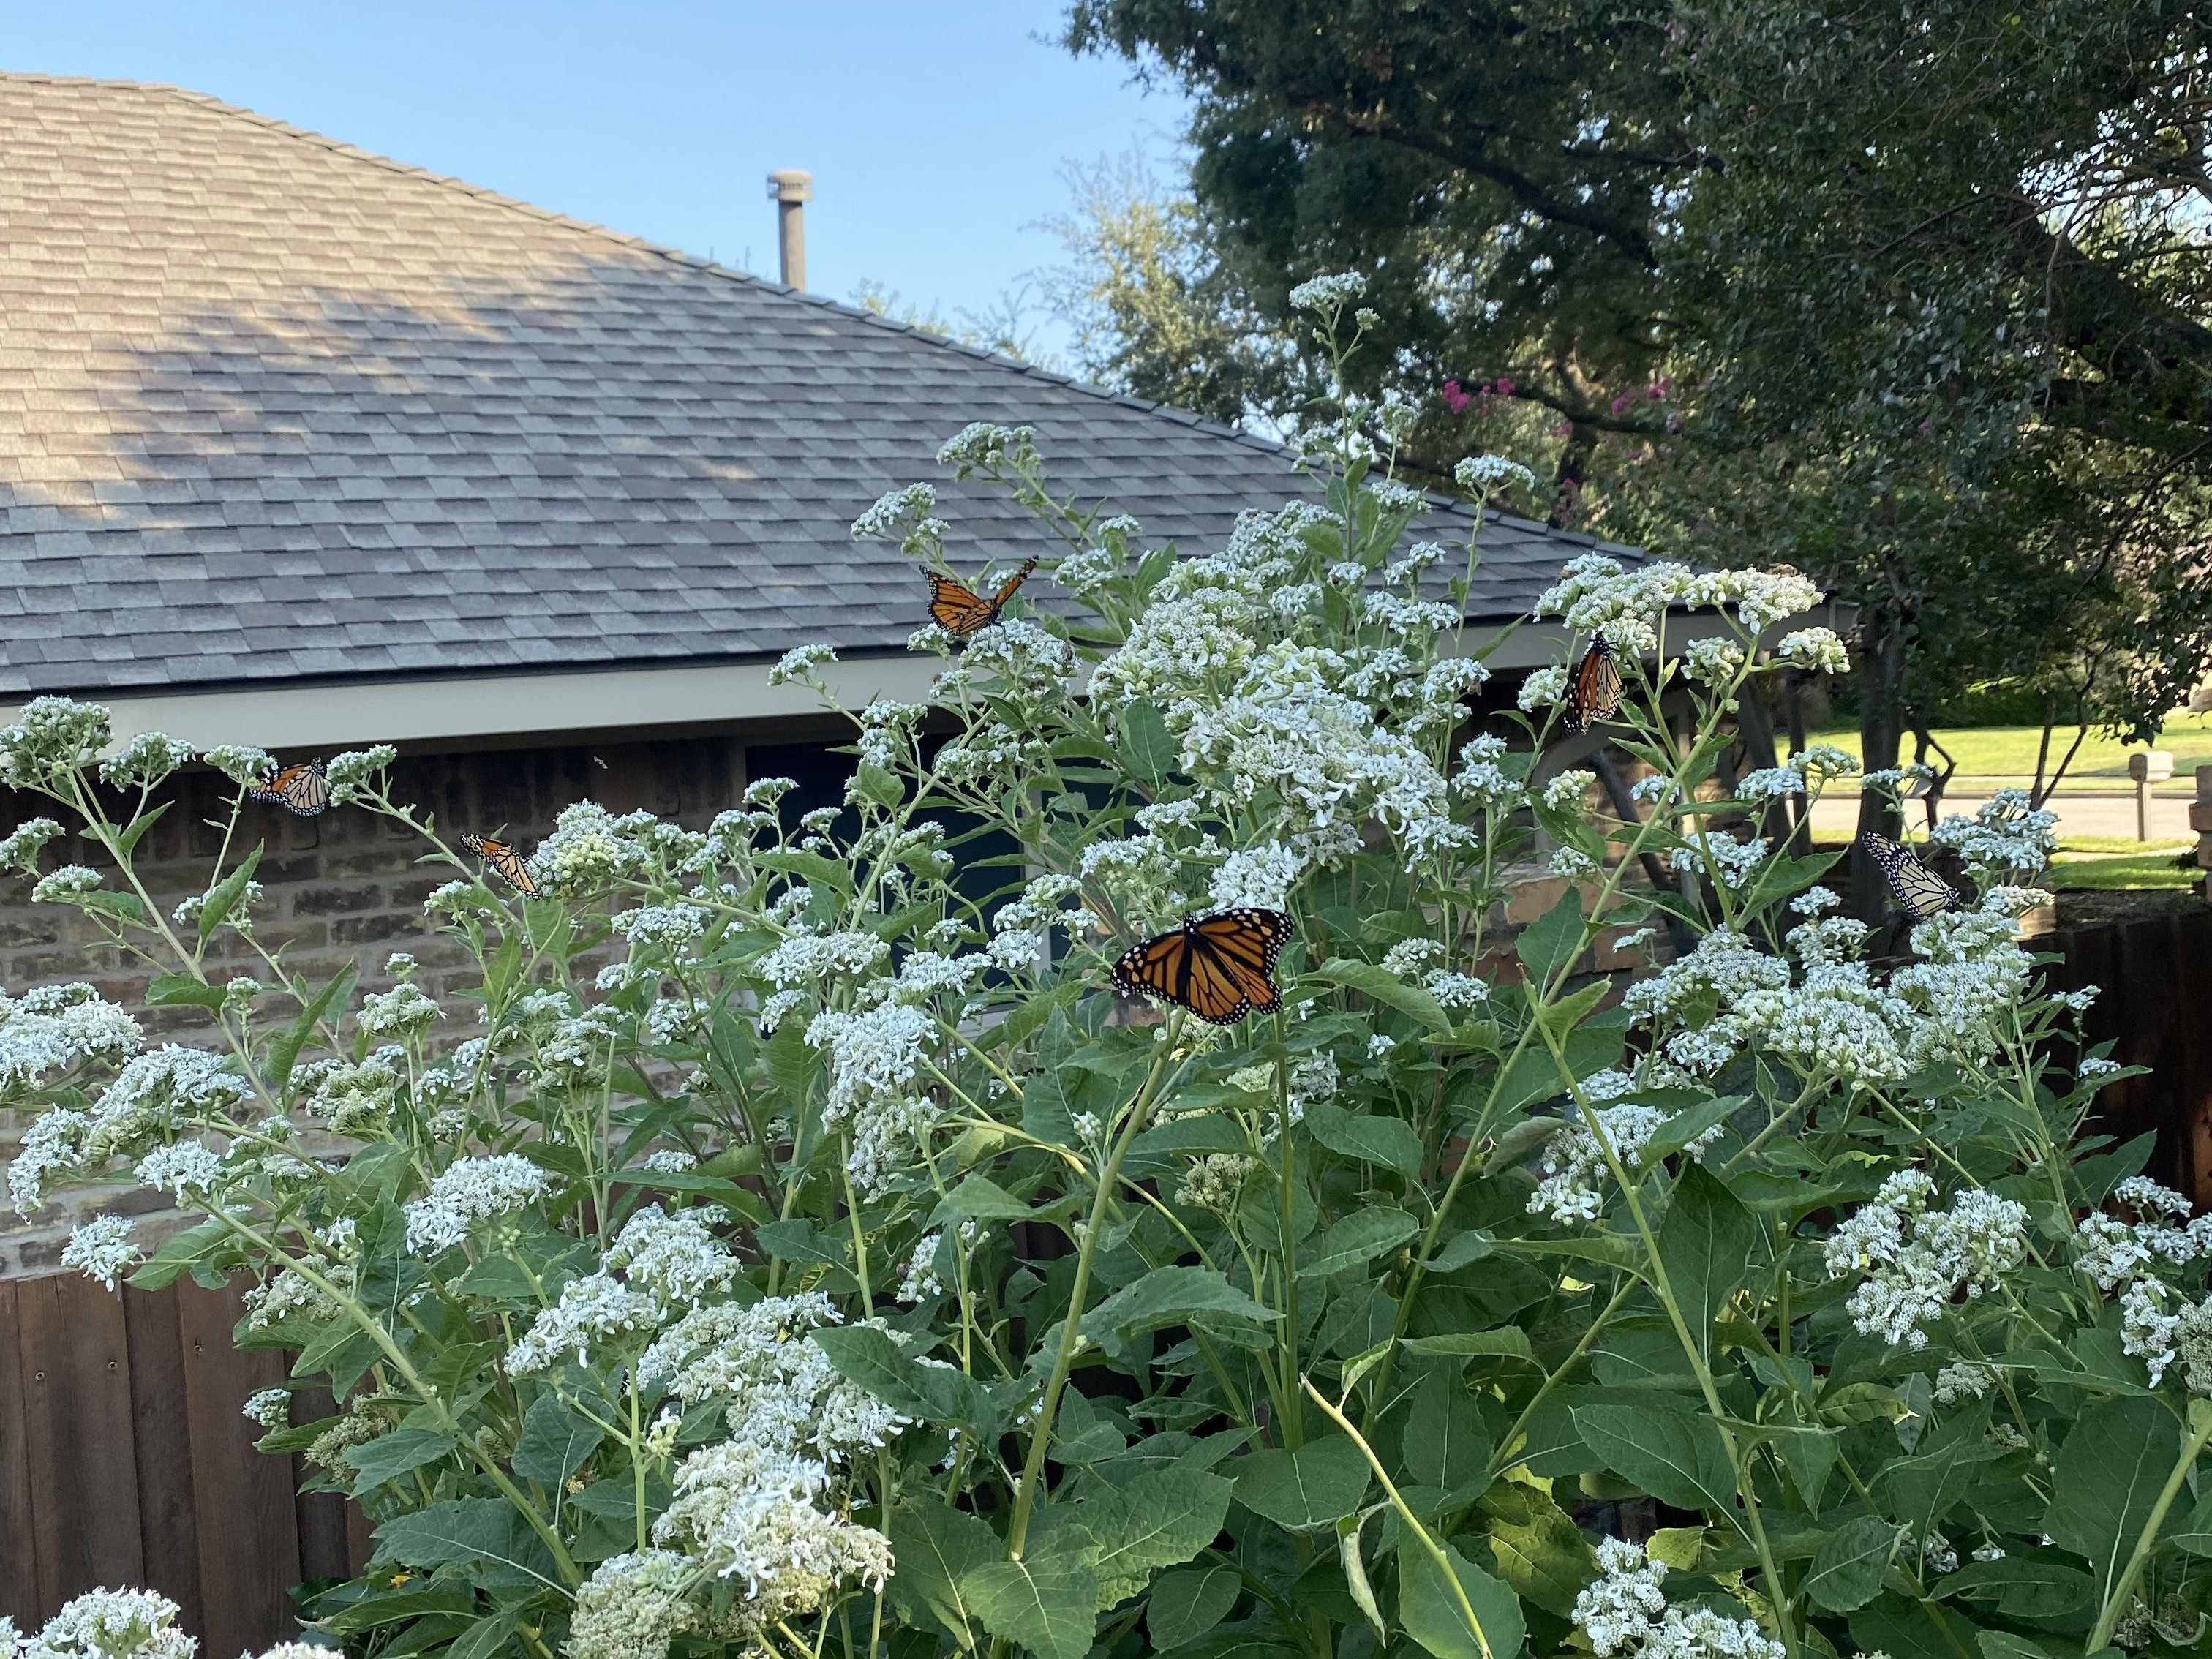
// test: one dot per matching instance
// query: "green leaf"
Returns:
(1687, 1125)
(486, 1529)
(1507, 1341)
(1161, 1519)
(1187, 1603)
(1370, 1138)
(1553, 939)
(1322, 1481)
(555, 1442)
(391, 1455)
(1470, 1246)
(1673, 1454)
(931, 1394)
(978, 1198)
(1047, 1601)
(224, 897)
(1920, 1490)
(176, 990)
(1906, 1629)
(1359, 1237)
(1447, 1443)
(1433, 1615)
(127, 841)
(1378, 984)
(486, 1637)
(1539, 1550)
(2105, 1481)
(936, 1548)
(1848, 1567)
(285, 1047)
(1146, 743)
(1707, 1244)
(1171, 1296)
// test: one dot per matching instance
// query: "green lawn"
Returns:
(2134, 871)
(2009, 752)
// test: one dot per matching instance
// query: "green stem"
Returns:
(1071, 1330)
(2124, 1589)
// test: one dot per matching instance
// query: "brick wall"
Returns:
(343, 887)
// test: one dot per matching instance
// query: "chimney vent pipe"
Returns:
(791, 190)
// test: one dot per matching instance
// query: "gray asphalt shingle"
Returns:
(271, 407)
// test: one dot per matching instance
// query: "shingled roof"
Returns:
(273, 409)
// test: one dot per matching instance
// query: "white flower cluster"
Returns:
(103, 1248)
(1330, 292)
(1815, 650)
(667, 1263)
(20, 851)
(778, 1389)
(467, 1191)
(58, 1028)
(404, 1011)
(1916, 1258)
(2003, 840)
(51, 735)
(1625, 1612)
(632, 1606)
(354, 773)
(876, 1058)
(108, 1623)
(1212, 1181)
(241, 764)
(1597, 595)
(588, 850)
(1483, 476)
(756, 1517)
(1575, 1170)
(145, 760)
(983, 446)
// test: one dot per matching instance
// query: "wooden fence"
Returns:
(123, 1461)
(2156, 1008)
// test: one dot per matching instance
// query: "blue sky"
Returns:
(935, 129)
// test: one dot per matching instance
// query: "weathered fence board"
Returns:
(125, 1461)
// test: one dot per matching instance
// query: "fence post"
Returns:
(2200, 820)
(2150, 767)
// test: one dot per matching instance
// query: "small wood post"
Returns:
(2200, 820)
(2152, 766)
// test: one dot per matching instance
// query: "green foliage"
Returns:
(765, 1248)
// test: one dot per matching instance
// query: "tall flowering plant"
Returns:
(780, 1247)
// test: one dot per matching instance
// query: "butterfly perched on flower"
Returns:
(1594, 692)
(1220, 967)
(300, 788)
(963, 612)
(505, 860)
(1919, 890)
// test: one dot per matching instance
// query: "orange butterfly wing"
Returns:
(956, 607)
(505, 860)
(1594, 692)
(301, 789)
(1219, 968)
(963, 612)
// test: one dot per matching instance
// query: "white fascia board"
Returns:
(454, 709)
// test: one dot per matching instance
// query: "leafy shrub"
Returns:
(841, 1268)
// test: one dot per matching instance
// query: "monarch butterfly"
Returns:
(1220, 967)
(300, 788)
(961, 611)
(1594, 692)
(505, 860)
(1919, 890)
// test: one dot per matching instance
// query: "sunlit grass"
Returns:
(2009, 752)
(2136, 871)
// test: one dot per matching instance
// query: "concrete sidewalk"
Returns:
(2080, 813)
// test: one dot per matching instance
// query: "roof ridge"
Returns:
(659, 250)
